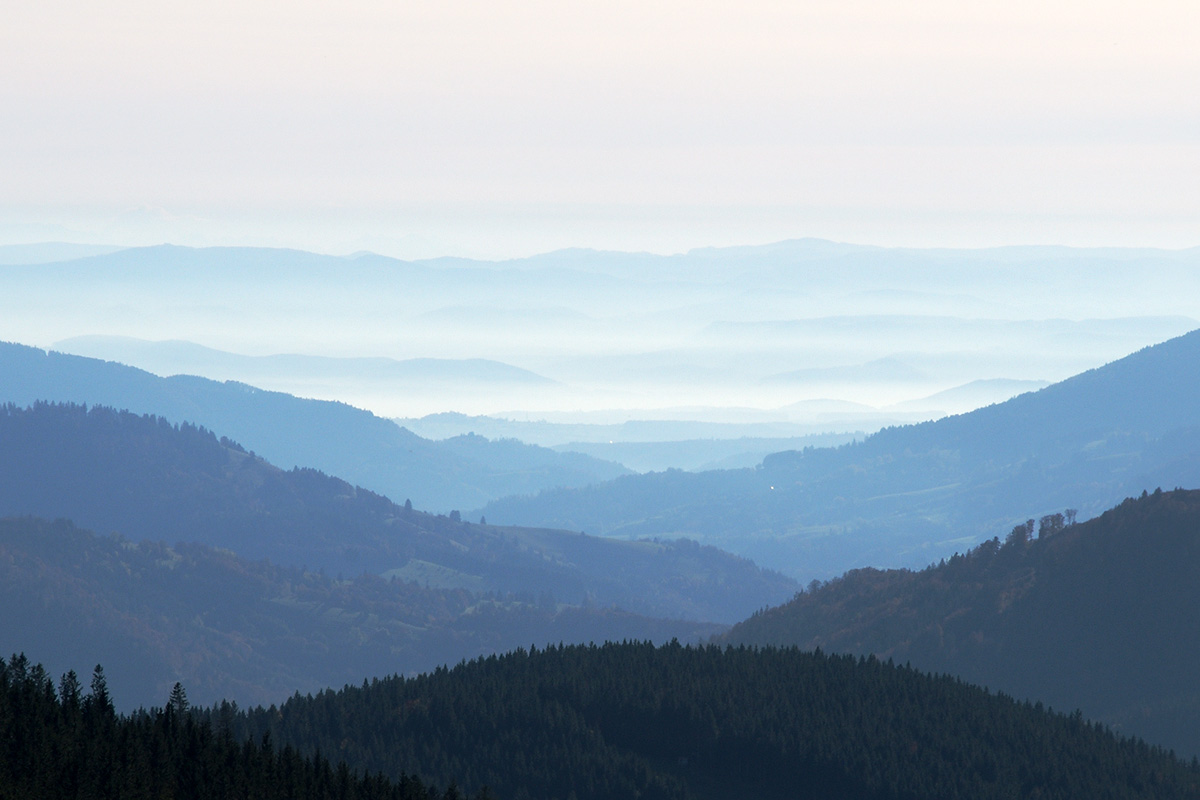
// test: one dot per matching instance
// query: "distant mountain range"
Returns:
(887, 370)
(668, 425)
(613, 330)
(1100, 616)
(461, 473)
(700, 454)
(643, 445)
(189, 358)
(909, 495)
(50, 252)
(693, 443)
(970, 396)
(147, 479)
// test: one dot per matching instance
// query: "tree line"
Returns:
(57, 741)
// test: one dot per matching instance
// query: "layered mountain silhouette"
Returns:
(1100, 616)
(640, 329)
(148, 479)
(183, 357)
(163, 548)
(460, 473)
(909, 495)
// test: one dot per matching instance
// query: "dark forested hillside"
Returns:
(147, 479)
(1102, 615)
(334, 437)
(632, 720)
(57, 741)
(255, 632)
(906, 496)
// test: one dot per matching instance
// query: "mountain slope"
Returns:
(906, 496)
(143, 477)
(632, 720)
(252, 631)
(1100, 615)
(291, 431)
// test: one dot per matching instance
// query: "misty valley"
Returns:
(806, 520)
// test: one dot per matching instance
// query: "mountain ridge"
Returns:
(1098, 615)
(232, 629)
(908, 495)
(148, 479)
(633, 720)
(123, 349)
(328, 435)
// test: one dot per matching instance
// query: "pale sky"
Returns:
(503, 129)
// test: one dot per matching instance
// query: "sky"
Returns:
(505, 129)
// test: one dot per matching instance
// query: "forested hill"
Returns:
(1101, 615)
(461, 473)
(907, 496)
(254, 632)
(632, 720)
(147, 479)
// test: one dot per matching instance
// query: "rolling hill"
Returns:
(1100, 615)
(254, 632)
(463, 472)
(633, 720)
(908, 495)
(148, 479)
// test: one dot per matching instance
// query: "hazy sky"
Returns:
(495, 129)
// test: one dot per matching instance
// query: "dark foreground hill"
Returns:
(463, 472)
(147, 479)
(632, 720)
(907, 496)
(60, 742)
(1102, 615)
(252, 631)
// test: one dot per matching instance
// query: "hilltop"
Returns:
(1099, 615)
(633, 720)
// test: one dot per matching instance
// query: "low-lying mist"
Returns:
(821, 336)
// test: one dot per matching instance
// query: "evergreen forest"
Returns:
(58, 742)
(1098, 615)
(635, 720)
